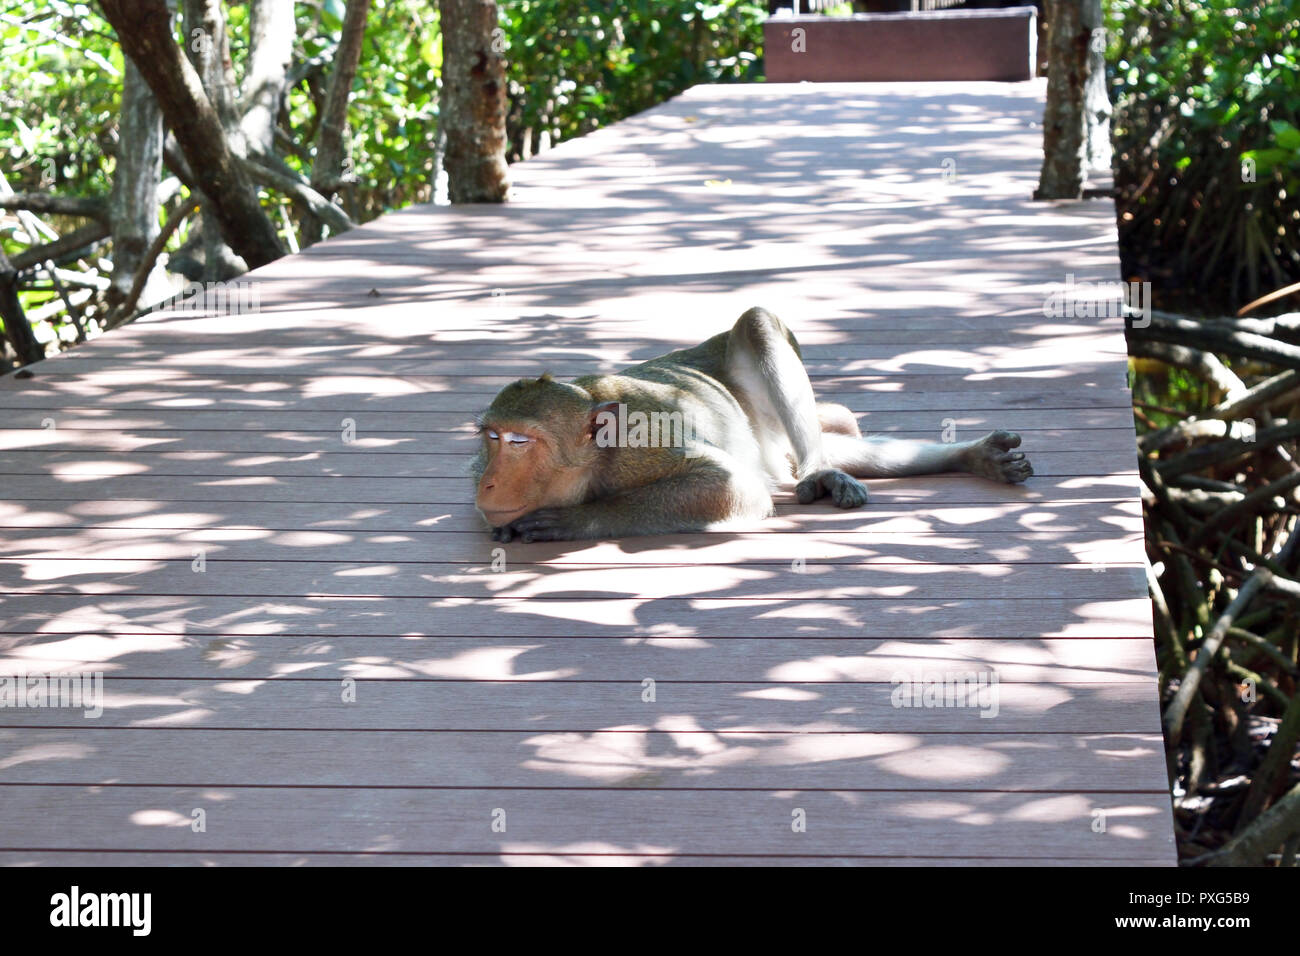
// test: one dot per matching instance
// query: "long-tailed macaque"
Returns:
(689, 440)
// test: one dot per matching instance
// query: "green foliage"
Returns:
(1203, 90)
(1167, 394)
(575, 65)
(395, 106)
(60, 82)
(393, 111)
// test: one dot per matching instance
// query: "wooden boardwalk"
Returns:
(182, 511)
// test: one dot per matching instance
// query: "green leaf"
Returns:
(1285, 135)
(332, 12)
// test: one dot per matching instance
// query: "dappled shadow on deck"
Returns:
(772, 647)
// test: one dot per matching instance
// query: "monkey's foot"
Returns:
(544, 524)
(845, 490)
(992, 457)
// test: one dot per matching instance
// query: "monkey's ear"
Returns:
(602, 423)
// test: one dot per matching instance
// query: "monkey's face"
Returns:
(525, 469)
(536, 448)
(517, 461)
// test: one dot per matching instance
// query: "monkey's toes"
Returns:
(1003, 439)
(845, 490)
(992, 457)
(809, 490)
(1015, 467)
(848, 492)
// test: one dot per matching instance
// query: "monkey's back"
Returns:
(683, 382)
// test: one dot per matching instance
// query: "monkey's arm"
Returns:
(690, 501)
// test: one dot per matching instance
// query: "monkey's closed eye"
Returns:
(513, 438)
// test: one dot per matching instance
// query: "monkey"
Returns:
(558, 461)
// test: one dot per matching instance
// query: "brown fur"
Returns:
(549, 475)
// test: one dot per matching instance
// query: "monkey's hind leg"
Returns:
(837, 420)
(845, 491)
(764, 365)
(992, 457)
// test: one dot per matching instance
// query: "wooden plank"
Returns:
(651, 760)
(482, 343)
(814, 582)
(82, 447)
(618, 821)
(449, 358)
(142, 445)
(342, 393)
(410, 376)
(129, 858)
(478, 549)
(412, 392)
(881, 514)
(568, 706)
(637, 323)
(449, 411)
(827, 375)
(825, 350)
(852, 658)
(708, 616)
(78, 466)
(435, 492)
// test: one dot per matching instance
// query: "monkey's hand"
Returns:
(544, 524)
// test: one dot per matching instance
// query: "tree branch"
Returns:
(17, 329)
(144, 31)
(1258, 499)
(185, 209)
(1176, 712)
(1269, 831)
(1204, 365)
(63, 246)
(328, 164)
(1166, 327)
(271, 30)
(57, 205)
(320, 207)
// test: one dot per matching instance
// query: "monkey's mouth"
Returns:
(499, 519)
